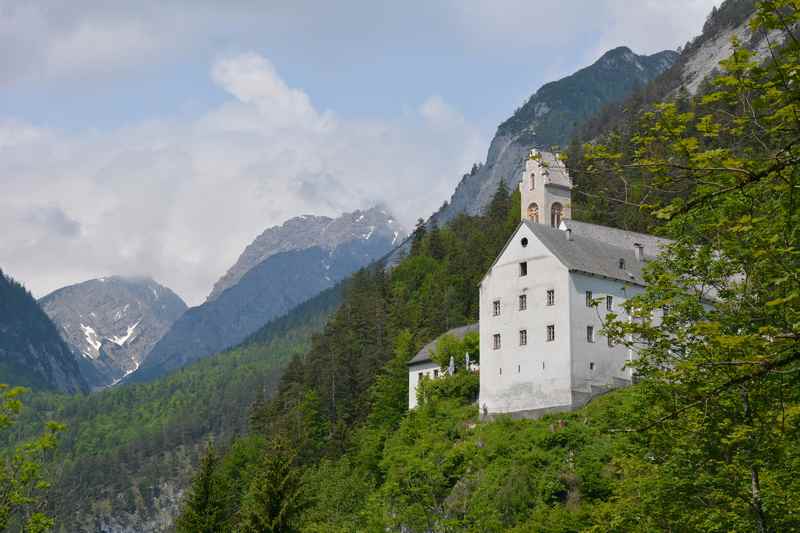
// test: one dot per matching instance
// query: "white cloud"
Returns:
(179, 200)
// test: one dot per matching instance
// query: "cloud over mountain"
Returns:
(178, 199)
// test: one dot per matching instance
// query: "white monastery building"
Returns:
(540, 344)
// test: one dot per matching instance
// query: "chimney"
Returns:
(569, 234)
(639, 251)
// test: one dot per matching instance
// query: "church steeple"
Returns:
(545, 189)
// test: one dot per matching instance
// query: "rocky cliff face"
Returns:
(112, 323)
(31, 351)
(313, 254)
(549, 118)
(700, 57)
(307, 231)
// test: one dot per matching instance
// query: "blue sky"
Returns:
(123, 125)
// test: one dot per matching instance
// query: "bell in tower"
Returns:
(545, 189)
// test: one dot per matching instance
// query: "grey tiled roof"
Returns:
(617, 237)
(424, 355)
(590, 250)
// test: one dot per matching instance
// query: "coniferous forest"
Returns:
(305, 426)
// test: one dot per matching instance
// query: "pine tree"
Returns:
(417, 237)
(435, 243)
(273, 500)
(203, 510)
(501, 202)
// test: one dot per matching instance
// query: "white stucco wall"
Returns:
(414, 371)
(608, 361)
(524, 383)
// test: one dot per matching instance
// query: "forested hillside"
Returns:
(127, 453)
(706, 441)
(32, 353)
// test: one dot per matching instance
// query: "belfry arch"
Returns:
(556, 214)
(533, 212)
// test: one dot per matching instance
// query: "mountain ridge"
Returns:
(549, 117)
(307, 231)
(270, 289)
(112, 322)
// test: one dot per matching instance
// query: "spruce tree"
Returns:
(203, 509)
(501, 202)
(273, 500)
(417, 237)
(435, 244)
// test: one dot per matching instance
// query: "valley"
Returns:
(598, 331)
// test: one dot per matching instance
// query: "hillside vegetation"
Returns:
(127, 452)
(706, 441)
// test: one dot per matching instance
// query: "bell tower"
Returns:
(545, 189)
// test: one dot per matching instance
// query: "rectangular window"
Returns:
(588, 298)
(523, 337)
(591, 365)
(419, 376)
(519, 369)
(523, 269)
(496, 341)
(610, 343)
(551, 332)
(551, 297)
(523, 302)
(589, 333)
(609, 303)
(435, 372)
(496, 308)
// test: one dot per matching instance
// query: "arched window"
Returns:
(533, 180)
(533, 213)
(556, 212)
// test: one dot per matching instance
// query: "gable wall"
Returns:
(524, 384)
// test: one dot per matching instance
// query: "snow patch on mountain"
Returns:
(92, 338)
(113, 323)
(120, 341)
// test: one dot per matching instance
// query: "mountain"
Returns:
(31, 351)
(697, 63)
(549, 118)
(687, 81)
(310, 264)
(307, 231)
(112, 323)
(127, 453)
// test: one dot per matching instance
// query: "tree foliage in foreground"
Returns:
(23, 479)
(721, 365)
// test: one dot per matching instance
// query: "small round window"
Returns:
(524, 242)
